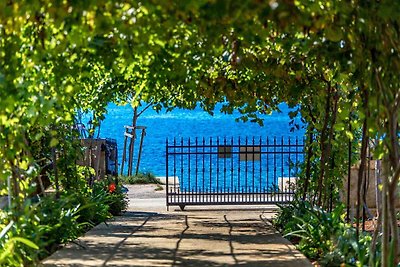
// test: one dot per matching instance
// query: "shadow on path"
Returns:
(119, 244)
(180, 240)
(174, 239)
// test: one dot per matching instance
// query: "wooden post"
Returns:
(124, 153)
(140, 150)
(98, 157)
(132, 141)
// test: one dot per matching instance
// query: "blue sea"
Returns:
(181, 123)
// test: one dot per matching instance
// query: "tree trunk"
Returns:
(385, 218)
(393, 180)
(308, 165)
(377, 229)
(328, 187)
(132, 141)
(323, 145)
(363, 155)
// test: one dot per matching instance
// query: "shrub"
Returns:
(37, 229)
(17, 227)
(47, 224)
(140, 178)
(114, 198)
(118, 202)
(8, 244)
(323, 236)
(61, 221)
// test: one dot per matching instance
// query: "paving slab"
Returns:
(149, 235)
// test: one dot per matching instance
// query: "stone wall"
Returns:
(370, 185)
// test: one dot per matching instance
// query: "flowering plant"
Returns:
(112, 187)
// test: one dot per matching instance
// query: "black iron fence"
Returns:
(232, 171)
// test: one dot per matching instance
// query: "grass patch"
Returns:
(159, 188)
(140, 178)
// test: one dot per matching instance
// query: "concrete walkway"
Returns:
(148, 235)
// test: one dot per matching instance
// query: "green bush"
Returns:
(117, 202)
(60, 219)
(350, 251)
(25, 225)
(140, 178)
(114, 198)
(37, 229)
(8, 244)
(47, 224)
(323, 236)
(95, 204)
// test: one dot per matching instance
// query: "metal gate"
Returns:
(232, 171)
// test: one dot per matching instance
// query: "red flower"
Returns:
(112, 187)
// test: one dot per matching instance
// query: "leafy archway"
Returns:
(337, 61)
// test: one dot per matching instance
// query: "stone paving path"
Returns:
(147, 235)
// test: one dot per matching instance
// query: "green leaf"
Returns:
(54, 142)
(26, 242)
(333, 34)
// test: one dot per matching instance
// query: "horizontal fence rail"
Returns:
(232, 171)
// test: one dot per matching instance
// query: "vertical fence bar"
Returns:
(297, 163)
(275, 178)
(217, 182)
(240, 191)
(182, 180)
(203, 169)
(306, 157)
(166, 172)
(196, 169)
(225, 156)
(232, 177)
(282, 167)
(189, 148)
(268, 173)
(260, 174)
(289, 171)
(254, 160)
(211, 185)
(175, 191)
(246, 171)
